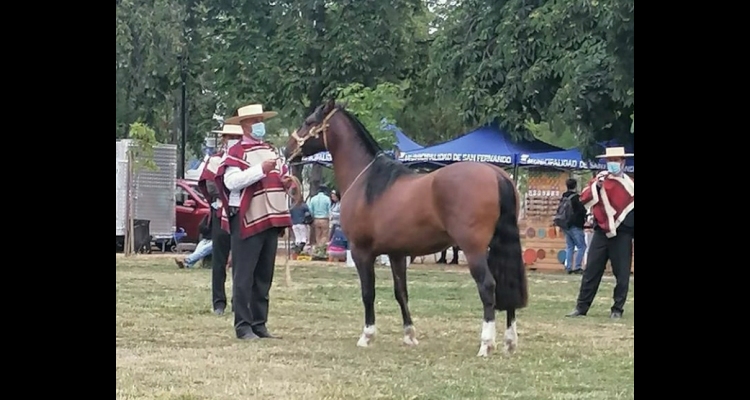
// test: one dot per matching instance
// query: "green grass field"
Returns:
(170, 345)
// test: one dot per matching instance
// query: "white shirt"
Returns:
(235, 180)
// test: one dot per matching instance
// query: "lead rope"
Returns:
(343, 195)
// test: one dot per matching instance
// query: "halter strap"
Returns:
(314, 133)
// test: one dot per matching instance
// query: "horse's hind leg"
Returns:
(398, 268)
(511, 335)
(365, 263)
(480, 271)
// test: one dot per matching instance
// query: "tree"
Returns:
(375, 107)
(568, 63)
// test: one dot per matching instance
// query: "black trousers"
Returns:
(253, 262)
(220, 255)
(618, 250)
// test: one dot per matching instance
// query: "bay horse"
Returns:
(386, 208)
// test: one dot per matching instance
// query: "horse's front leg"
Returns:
(365, 263)
(398, 268)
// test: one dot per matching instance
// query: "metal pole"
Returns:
(183, 116)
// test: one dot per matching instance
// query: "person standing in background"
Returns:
(320, 208)
(230, 135)
(335, 218)
(610, 196)
(573, 229)
(301, 219)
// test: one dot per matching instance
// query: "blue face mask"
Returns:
(259, 130)
(614, 167)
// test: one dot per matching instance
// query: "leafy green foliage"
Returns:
(144, 139)
(566, 64)
(375, 107)
(569, 63)
(543, 131)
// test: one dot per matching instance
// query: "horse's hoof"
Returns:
(368, 336)
(410, 336)
(510, 346)
(410, 341)
(511, 338)
(485, 350)
(365, 340)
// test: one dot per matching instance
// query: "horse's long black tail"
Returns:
(505, 259)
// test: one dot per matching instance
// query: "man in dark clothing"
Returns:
(230, 135)
(574, 238)
(610, 197)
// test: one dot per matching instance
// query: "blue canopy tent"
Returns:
(486, 144)
(403, 143)
(572, 159)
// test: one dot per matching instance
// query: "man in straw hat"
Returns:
(230, 135)
(610, 197)
(257, 213)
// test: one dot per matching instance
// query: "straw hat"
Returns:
(614, 152)
(230, 130)
(251, 111)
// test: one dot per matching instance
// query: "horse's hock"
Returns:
(543, 244)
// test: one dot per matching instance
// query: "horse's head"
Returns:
(312, 136)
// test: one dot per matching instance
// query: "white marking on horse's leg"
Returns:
(410, 336)
(368, 336)
(488, 339)
(511, 338)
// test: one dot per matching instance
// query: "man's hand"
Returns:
(268, 166)
(287, 181)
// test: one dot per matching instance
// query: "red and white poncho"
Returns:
(264, 204)
(612, 203)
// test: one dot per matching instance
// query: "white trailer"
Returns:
(153, 190)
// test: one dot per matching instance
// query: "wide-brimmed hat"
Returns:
(614, 152)
(230, 130)
(251, 111)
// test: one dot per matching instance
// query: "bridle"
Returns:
(314, 132)
(322, 129)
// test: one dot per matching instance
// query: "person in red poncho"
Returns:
(230, 135)
(610, 198)
(256, 213)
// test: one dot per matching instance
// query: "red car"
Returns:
(191, 207)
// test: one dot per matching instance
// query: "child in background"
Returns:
(301, 219)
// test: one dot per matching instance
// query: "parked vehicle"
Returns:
(190, 208)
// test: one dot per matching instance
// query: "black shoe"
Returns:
(578, 271)
(454, 262)
(616, 315)
(219, 310)
(247, 336)
(441, 261)
(264, 334)
(576, 313)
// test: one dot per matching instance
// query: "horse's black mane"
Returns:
(384, 171)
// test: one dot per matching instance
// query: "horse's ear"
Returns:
(330, 104)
